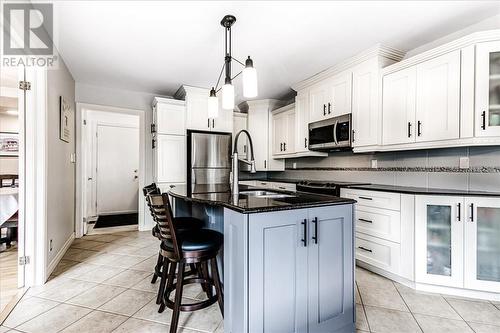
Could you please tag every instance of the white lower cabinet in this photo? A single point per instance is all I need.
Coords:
(439, 240)
(170, 159)
(458, 242)
(378, 252)
(482, 244)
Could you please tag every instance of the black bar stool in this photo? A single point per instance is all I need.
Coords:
(183, 223)
(199, 247)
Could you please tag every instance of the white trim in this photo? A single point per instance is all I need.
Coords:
(119, 212)
(458, 292)
(57, 258)
(80, 195)
(477, 37)
(376, 50)
(110, 230)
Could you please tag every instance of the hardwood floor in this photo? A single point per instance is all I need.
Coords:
(8, 276)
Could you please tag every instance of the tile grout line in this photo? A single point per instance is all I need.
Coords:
(362, 306)
(409, 309)
(473, 330)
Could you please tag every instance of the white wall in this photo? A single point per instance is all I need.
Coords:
(9, 123)
(60, 170)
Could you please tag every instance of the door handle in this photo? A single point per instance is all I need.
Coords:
(472, 212)
(284, 146)
(329, 108)
(135, 177)
(90, 178)
(419, 128)
(335, 133)
(324, 109)
(315, 237)
(459, 207)
(305, 142)
(483, 116)
(353, 131)
(365, 198)
(281, 146)
(304, 240)
(409, 129)
(213, 123)
(208, 122)
(364, 249)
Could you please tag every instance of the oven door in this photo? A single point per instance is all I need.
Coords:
(322, 134)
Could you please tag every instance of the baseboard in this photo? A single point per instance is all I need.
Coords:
(59, 255)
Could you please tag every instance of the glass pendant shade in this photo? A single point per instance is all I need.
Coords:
(249, 79)
(228, 96)
(213, 105)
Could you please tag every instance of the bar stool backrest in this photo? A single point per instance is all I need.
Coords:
(162, 215)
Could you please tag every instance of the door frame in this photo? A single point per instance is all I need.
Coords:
(81, 191)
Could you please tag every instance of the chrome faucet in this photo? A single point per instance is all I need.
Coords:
(235, 171)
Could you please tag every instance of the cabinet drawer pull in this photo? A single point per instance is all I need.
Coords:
(304, 240)
(281, 146)
(409, 129)
(329, 108)
(305, 142)
(419, 128)
(483, 116)
(282, 188)
(315, 237)
(364, 249)
(324, 109)
(365, 198)
(284, 146)
(364, 220)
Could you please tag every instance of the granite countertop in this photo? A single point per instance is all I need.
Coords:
(220, 195)
(422, 190)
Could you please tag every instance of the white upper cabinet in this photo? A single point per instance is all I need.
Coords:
(169, 116)
(398, 104)
(339, 95)
(301, 122)
(487, 110)
(365, 104)
(197, 111)
(318, 99)
(240, 122)
(438, 98)
(283, 122)
(170, 159)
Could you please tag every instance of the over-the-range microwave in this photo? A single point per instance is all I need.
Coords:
(331, 134)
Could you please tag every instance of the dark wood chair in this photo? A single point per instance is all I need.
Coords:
(8, 180)
(183, 223)
(180, 248)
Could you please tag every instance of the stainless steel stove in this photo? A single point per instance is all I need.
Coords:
(324, 187)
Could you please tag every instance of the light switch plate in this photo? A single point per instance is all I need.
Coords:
(464, 163)
(374, 164)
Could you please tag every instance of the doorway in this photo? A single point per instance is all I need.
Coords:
(11, 226)
(111, 171)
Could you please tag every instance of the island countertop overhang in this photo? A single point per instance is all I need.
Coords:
(219, 195)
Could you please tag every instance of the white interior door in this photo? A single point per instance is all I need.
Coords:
(117, 169)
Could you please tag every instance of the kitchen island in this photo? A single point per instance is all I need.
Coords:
(288, 257)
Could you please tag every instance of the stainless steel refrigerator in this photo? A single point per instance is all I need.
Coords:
(209, 161)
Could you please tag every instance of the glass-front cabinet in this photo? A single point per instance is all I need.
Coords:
(439, 240)
(488, 89)
(482, 244)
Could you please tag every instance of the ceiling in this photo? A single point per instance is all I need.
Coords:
(157, 46)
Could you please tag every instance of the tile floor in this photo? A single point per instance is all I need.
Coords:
(103, 285)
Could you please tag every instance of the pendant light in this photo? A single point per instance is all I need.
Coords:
(249, 74)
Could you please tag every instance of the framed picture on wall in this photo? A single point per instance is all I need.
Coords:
(9, 144)
(65, 120)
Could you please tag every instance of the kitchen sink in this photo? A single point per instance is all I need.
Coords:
(266, 194)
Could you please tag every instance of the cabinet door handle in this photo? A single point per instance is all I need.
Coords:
(265, 164)
(281, 146)
(305, 142)
(365, 198)
(353, 132)
(459, 213)
(304, 240)
(329, 108)
(315, 237)
(419, 128)
(153, 128)
(324, 109)
(364, 220)
(483, 116)
(284, 146)
(153, 144)
(208, 123)
(472, 212)
(364, 249)
(409, 129)
(213, 123)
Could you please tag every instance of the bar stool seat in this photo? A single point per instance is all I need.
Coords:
(182, 223)
(196, 240)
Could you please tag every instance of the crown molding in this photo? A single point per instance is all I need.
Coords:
(184, 90)
(377, 50)
(284, 108)
(167, 100)
(468, 40)
(269, 103)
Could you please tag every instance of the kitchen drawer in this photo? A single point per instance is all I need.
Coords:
(284, 186)
(378, 252)
(382, 223)
(377, 199)
(248, 182)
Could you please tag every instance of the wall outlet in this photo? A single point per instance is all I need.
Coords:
(294, 165)
(464, 163)
(50, 245)
(374, 164)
